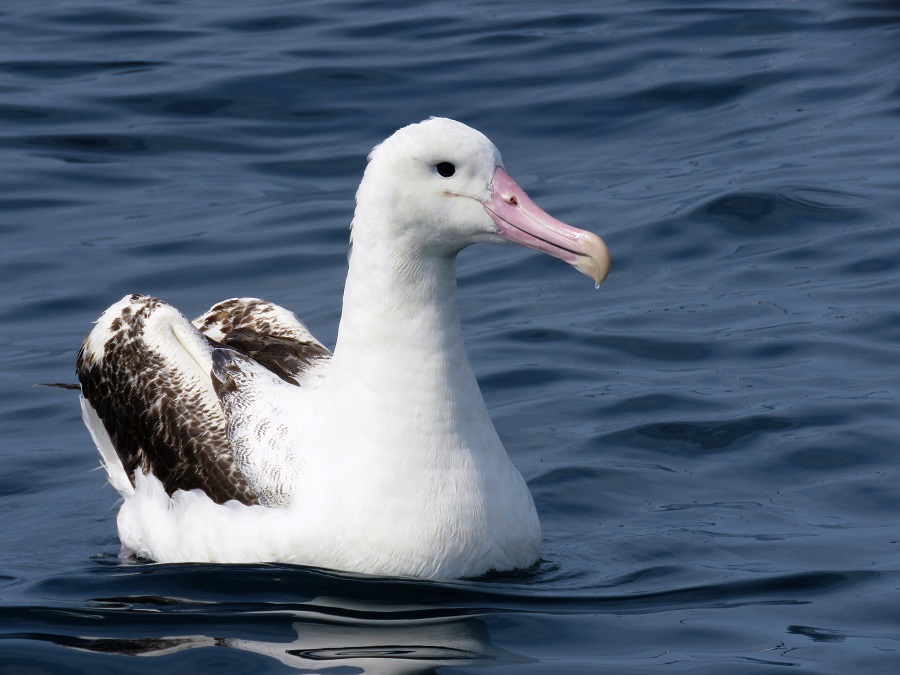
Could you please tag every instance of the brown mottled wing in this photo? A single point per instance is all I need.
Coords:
(157, 417)
(285, 357)
(270, 335)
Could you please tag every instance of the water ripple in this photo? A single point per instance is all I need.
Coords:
(709, 438)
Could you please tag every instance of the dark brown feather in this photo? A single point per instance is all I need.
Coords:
(283, 356)
(155, 421)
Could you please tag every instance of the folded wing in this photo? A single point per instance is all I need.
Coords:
(150, 402)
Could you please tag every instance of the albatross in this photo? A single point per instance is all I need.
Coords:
(239, 437)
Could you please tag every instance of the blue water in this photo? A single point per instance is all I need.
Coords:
(711, 437)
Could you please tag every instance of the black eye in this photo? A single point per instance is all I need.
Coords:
(446, 169)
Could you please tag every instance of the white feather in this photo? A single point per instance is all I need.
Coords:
(390, 464)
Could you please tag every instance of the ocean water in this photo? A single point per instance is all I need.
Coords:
(710, 437)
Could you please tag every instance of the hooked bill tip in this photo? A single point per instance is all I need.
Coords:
(595, 262)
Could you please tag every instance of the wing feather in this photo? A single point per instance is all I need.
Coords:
(150, 398)
(154, 401)
(253, 399)
(268, 334)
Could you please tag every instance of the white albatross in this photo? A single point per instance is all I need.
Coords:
(238, 437)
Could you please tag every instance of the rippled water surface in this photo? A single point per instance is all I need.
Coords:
(711, 437)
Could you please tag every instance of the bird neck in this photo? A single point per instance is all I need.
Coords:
(399, 365)
(399, 313)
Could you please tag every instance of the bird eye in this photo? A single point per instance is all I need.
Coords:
(446, 169)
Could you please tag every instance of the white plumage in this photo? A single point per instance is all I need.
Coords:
(380, 458)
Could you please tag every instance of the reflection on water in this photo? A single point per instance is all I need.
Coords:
(268, 616)
(331, 620)
(395, 646)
